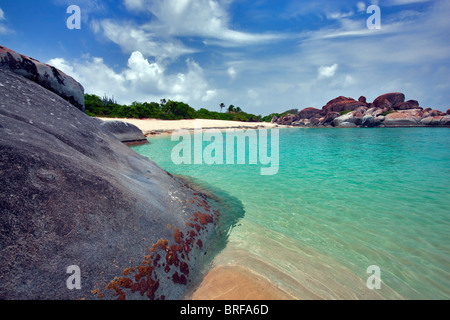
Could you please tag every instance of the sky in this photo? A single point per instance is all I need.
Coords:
(262, 56)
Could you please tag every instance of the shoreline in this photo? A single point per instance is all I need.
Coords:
(151, 127)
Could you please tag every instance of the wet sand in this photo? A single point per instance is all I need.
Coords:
(237, 283)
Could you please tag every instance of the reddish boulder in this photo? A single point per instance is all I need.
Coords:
(410, 104)
(362, 99)
(340, 104)
(288, 119)
(329, 117)
(448, 111)
(314, 121)
(389, 100)
(309, 113)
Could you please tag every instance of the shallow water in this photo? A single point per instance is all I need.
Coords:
(342, 200)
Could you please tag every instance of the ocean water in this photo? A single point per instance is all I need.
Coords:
(342, 200)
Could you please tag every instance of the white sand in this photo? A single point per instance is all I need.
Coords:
(152, 126)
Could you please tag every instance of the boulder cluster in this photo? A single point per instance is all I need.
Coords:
(388, 110)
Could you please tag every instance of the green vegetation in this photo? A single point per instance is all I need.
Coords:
(166, 110)
(345, 112)
(388, 112)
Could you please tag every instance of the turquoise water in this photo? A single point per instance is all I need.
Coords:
(342, 200)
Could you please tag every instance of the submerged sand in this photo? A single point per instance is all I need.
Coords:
(237, 283)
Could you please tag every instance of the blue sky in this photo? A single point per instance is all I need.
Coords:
(263, 56)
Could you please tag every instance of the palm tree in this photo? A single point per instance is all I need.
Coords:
(222, 105)
(231, 109)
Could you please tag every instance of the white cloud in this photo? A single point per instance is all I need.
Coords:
(348, 81)
(134, 38)
(232, 72)
(140, 81)
(339, 15)
(404, 2)
(327, 71)
(361, 6)
(3, 28)
(202, 18)
(134, 4)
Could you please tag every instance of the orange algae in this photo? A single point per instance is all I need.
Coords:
(145, 278)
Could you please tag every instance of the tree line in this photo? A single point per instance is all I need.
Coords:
(165, 110)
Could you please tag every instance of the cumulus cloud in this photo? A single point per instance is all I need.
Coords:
(327, 71)
(135, 38)
(142, 80)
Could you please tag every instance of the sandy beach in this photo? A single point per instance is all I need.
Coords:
(157, 126)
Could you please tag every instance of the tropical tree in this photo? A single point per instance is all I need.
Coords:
(222, 105)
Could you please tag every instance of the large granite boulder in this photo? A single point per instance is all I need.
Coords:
(401, 119)
(74, 195)
(410, 104)
(436, 121)
(341, 103)
(353, 118)
(329, 117)
(288, 119)
(389, 100)
(309, 113)
(47, 76)
(126, 132)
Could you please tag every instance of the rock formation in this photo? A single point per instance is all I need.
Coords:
(387, 110)
(73, 195)
(124, 131)
(47, 76)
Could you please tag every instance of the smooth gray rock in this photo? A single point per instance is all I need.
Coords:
(47, 76)
(72, 194)
(347, 125)
(124, 131)
(368, 121)
(350, 117)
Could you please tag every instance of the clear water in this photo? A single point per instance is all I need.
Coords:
(343, 200)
